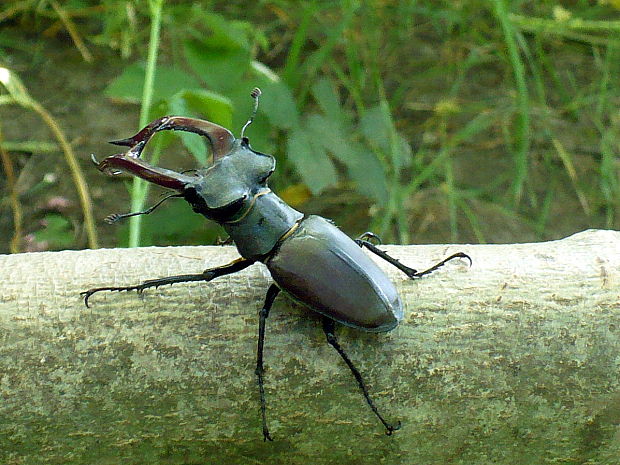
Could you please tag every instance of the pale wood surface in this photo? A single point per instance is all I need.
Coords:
(514, 360)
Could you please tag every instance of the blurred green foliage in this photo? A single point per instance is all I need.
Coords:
(480, 120)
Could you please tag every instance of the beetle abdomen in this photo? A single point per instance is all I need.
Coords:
(324, 269)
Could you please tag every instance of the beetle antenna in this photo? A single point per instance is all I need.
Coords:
(256, 93)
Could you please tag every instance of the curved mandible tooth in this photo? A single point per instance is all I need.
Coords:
(221, 139)
(144, 134)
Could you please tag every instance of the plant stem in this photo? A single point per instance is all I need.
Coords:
(7, 164)
(139, 189)
(522, 123)
(76, 172)
(72, 30)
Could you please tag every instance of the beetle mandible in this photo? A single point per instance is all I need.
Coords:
(233, 191)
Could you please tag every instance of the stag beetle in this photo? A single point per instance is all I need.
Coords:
(345, 287)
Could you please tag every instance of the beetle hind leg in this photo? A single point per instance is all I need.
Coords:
(363, 241)
(264, 313)
(329, 327)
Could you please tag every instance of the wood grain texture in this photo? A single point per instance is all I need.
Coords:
(514, 360)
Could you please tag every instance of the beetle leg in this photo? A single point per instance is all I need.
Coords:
(224, 241)
(207, 275)
(264, 313)
(442, 263)
(113, 218)
(411, 272)
(369, 235)
(329, 326)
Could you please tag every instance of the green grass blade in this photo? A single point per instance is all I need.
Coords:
(522, 122)
(139, 188)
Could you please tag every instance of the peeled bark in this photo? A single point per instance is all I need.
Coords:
(515, 359)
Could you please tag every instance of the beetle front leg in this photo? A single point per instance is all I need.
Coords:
(264, 313)
(207, 275)
(114, 217)
(329, 327)
(363, 241)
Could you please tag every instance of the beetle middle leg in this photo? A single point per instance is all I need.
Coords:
(264, 313)
(329, 327)
(363, 241)
(207, 275)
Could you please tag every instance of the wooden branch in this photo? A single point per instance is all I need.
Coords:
(514, 360)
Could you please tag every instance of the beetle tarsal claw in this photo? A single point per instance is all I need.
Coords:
(369, 236)
(391, 428)
(113, 218)
(464, 255)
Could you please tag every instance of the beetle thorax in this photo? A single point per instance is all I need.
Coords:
(233, 192)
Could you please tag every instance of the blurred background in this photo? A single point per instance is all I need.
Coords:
(423, 121)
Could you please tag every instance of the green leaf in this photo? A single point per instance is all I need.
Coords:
(378, 128)
(263, 72)
(225, 32)
(367, 172)
(279, 105)
(57, 232)
(403, 146)
(326, 132)
(210, 105)
(219, 64)
(325, 95)
(168, 81)
(400, 156)
(376, 132)
(192, 142)
(312, 162)
(363, 167)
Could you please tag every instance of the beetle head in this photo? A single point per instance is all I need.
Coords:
(218, 191)
(221, 190)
